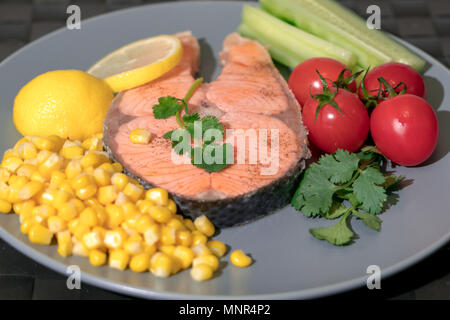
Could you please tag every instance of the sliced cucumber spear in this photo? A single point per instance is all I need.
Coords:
(330, 21)
(288, 44)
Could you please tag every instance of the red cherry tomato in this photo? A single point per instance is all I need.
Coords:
(394, 73)
(305, 81)
(405, 129)
(333, 130)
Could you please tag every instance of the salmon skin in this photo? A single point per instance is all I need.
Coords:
(262, 122)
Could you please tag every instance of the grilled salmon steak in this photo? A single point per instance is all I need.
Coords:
(261, 118)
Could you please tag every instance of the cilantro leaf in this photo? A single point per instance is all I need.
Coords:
(166, 107)
(209, 162)
(340, 166)
(368, 191)
(317, 192)
(373, 222)
(337, 210)
(338, 234)
(190, 118)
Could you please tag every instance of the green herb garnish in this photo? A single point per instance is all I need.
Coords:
(209, 155)
(344, 185)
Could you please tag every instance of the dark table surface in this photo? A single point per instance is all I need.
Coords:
(424, 23)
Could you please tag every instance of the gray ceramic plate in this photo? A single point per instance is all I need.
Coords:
(289, 262)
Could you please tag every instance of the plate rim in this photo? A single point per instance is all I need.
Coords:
(309, 293)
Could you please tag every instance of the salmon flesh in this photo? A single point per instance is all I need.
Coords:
(262, 121)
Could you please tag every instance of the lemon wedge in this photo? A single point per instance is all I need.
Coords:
(138, 62)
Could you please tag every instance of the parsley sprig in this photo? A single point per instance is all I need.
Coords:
(210, 155)
(344, 185)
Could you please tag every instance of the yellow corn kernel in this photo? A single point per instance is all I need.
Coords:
(172, 206)
(37, 176)
(82, 180)
(117, 167)
(4, 175)
(4, 190)
(108, 167)
(168, 235)
(161, 265)
(80, 230)
(10, 153)
(25, 213)
(43, 143)
(26, 225)
(97, 258)
(152, 234)
(89, 217)
(71, 150)
(93, 144)
(145, 205)
(20, 142)
(129, 230)
(114, 216)
(56, 179)
(67, 211)
(240, 259)
(133, 191)
(91, 202)
(44, 211)
(184, 238)
(40, 235)
(86, 192)
(98, 135)
(217, 247)
(140, 136)
(22, 206)
(32, 162)
(57, 141)
(115, 239)
(60, 198)
(119, 259)
(79, 249)
(42, 156)
(140, 262)
(26, 170)
(201, 272)
(73, 224)
(30, 189)
(101, 214)
(208, 259)
(188, 223)
(143, 222)
(102, 177)
(65, 244)
(201, 249)
(167, 249)
(160, 214)
(27, 150)
(119, 180)
(205, 226)
(53, 163)
(158, 195)
(65, 186)
(121, 199)
(150, 249)
(198, 238)
(93, 159)
(78, 204)
(17, 182)
(5, 206)
(13, 196)
(129, 210)
(73, 169)
(185, 255)
(56, 224)
(107, 194)
(92, 240)
(134, 244)
(176, 223)
(11, 164)
(47, 197)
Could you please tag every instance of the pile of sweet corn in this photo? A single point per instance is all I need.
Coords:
(72, 191)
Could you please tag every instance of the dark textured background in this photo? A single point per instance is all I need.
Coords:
(424, 23)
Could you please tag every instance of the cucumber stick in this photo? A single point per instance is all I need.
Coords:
(288, 44)
(329, 20)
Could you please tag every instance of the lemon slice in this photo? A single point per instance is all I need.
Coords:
(138, 62)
